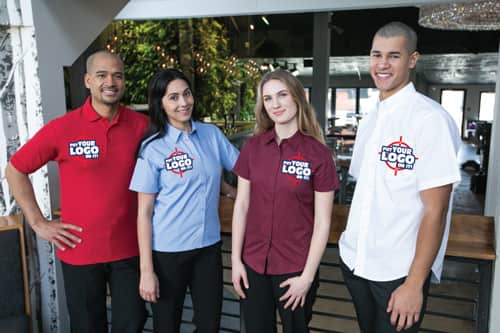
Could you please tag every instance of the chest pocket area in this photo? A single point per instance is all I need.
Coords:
(400, 185)
(85, 154)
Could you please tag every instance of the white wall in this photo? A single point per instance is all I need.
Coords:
(492, 206)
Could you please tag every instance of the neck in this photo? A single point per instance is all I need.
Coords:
(108, 111)
(387, 94)
(186, 127)
(285, 131)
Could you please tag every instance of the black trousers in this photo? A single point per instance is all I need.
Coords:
(201, 270)
(370, 301)
(85, 287)
(262, 300)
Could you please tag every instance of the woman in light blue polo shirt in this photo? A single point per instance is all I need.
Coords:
(178, 176)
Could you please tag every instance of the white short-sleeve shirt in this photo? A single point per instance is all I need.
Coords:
(407, 143)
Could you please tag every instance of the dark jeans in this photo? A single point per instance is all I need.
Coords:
(370, 301)
(201, 270)
(85, 287)
(262, 300)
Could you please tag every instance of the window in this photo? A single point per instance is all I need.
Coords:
(345, 106)
(365, 97)
(486, 105)
(453, 102)
(308, 94)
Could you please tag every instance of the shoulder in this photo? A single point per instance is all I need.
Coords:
(136, 117)
(314, 145)
(66, 121)
(207, 128)
(430, 109)
(151, 144)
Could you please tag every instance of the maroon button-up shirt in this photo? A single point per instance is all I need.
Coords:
(283, 179)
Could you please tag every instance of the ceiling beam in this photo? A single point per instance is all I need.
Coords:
(169, 9)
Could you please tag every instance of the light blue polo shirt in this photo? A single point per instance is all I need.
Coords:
(185, 171)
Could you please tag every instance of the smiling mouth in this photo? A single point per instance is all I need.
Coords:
(109, 92)
(383, 75)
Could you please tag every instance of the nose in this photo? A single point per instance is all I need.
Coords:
(382, 62)
(109, 80)
(275, 103)
(183, 100)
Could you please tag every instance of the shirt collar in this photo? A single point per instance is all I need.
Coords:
(175, 134)
(294, 140)
(91, 115)
(397, 98)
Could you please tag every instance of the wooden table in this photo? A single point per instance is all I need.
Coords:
(471, 239)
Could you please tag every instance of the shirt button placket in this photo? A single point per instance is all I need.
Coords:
(188, 140)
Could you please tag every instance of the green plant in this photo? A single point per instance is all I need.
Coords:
(200, 48)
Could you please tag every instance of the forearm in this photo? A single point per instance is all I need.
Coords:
(429, 239)
(430, 233)
(22, 190)
(227, 190)
(321, 233)
(145, 232)
(240, 211)
(238, 228)
(144, 236)
(319, 241)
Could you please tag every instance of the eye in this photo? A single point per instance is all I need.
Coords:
(283, 94)
(395, 56)
(187, 93)
(173, 97)
(267, 98)
(119, 76)
(100, 76)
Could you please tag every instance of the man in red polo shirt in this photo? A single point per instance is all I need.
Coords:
(96, 237)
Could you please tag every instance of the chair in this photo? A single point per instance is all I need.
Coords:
(14, 293)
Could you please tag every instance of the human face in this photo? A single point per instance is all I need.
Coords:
(178, 104)
(279, 103)
(106, 81)
(391, 64)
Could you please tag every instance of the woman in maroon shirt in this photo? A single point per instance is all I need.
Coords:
(281, 220)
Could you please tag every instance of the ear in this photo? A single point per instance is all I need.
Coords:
(413, 59)
(86, 80)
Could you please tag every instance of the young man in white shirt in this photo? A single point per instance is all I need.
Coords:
(404, 160)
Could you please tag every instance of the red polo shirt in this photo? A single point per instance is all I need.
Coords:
(283, 180)
(96, 159)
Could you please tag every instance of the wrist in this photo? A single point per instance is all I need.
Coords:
(235, 259)
(307, 276)
(35, 224)
(147, 270)
(414, 282)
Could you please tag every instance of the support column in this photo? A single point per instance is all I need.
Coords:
(20, 117)
(321, 66)
(491, 203)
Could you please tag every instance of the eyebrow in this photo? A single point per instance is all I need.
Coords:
(391, 52)
(176, 93)
(105, 72)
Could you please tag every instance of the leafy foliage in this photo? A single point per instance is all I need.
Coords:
(223, 85)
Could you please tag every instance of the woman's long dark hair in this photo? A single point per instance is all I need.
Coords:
(157, 117)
